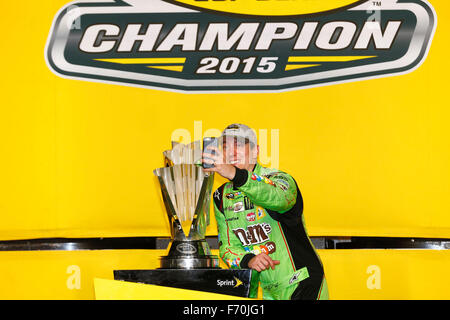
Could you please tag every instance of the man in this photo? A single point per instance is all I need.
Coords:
(260, 221)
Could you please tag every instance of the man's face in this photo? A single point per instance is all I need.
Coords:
(239, 152)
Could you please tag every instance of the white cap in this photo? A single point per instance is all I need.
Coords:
(240, 131)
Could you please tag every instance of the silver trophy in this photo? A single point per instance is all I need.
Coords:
(186, 192)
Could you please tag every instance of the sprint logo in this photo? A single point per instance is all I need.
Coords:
(229, 283)
(173, 46)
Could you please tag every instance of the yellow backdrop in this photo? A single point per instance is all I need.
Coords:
(76, 158)
(351, 274)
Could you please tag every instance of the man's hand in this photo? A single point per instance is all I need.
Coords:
(262, 262)
(227, 171)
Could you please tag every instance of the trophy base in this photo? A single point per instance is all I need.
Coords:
(189, 263)
(242, 283)
(189, 254)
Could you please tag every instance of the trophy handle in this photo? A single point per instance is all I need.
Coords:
(175, 228)
(201, 214)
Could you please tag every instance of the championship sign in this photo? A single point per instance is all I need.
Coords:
(234, 46)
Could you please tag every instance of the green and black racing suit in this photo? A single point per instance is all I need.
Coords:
(262, 211)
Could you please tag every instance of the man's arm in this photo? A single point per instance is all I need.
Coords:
(277, 193)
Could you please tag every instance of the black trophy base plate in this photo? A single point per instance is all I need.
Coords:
(222, 281)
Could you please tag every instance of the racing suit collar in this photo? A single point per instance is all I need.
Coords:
(257, 168)
(242, 175)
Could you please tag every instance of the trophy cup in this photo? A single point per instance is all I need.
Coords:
(186, 193)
